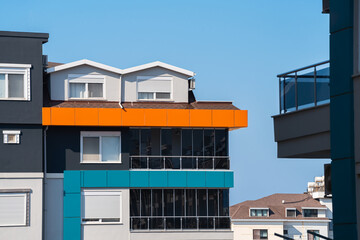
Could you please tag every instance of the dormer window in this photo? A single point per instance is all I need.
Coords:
(310, 212)
(154, 88)
(90, 87)
(259, 212)
(291, 212)
(15, 81)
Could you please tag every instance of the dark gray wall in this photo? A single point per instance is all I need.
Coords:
(23, 157)
(63, 149)
(24, 48)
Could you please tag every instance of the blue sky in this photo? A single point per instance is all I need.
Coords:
(236, 48)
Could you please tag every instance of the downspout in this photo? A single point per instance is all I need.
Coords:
(45, 182)
(120, 93)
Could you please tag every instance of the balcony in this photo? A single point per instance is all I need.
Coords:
(302, 128)
(180, 162)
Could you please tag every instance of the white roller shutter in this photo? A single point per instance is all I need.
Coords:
(101, 205)
(12, 209)
(154, 85)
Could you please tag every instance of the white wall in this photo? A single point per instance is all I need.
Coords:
(244, 230)
(58, 81)
(298, 230)
(54, 198)
(180, 84)
(25, 181)
(183, 235)
(111, 231)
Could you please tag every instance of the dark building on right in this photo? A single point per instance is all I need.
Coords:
(320, 114)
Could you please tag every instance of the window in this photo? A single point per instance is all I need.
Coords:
(14, 208)
(11, 137)
(154, 88)
(259, 212)
(260, 234)
(310, 212)
(100, 207)
(291, 212)
(86, 87)
(312, 237)
(100, 147)
(15, 82)
(286, 232)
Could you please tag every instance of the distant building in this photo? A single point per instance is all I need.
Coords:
(291, 215)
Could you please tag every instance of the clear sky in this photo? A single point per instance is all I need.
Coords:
(236, 47)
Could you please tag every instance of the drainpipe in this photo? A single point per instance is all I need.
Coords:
(45, 182)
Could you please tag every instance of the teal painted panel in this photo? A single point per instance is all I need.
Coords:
(72, 181)
(196, 179)
(72, 229)
(342, 127)
(341, 55)
(229, 179)
(158, 179)
(72, 205)
(341, 14)
(95, 178)
(177, 178)
(118, 179)
(139, 179)
(215, 179)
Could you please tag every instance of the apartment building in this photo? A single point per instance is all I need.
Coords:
(105, 152)
(319, 114)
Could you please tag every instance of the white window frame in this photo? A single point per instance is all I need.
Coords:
(10, 68)
(286, 210)
(142, 78)
(26, 194)
(99, 134)
(6, 133)
(86, 79)
(101, 192)
(267, 209)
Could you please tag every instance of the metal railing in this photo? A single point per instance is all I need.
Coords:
(179, 223)
(304, 87)
(179, 162)
(318, 235)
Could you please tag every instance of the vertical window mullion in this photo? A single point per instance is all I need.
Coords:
(207, 202)
(86, 94)
(6, 85)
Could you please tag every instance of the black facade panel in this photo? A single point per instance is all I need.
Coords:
(25, 156)
(63, 149)
(23, 48)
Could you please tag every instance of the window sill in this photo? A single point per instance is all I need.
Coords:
(102, 223)
(107, 162)
(155, 100)
(14, 99)
(87, 99)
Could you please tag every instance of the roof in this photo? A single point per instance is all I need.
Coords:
(147, 105)
(59, 67)
(277, 207)
(53, 64)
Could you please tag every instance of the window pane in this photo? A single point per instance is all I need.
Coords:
(190, 202)
(291, 213)
(2, 85)
(16, 85)
(134, 202)
(145, 95)
(166, 143)
(162, 95)
(12, 209)
(186, 142)
(91, 149)
(145, 142)
(213, 202)
(221, 142)
(179, 202)
(224, 202)
(201, 199)
(145, 202)
(209, 140)
(77, 90)
(156, 202)
(110, 148)
(95, 90)
(168, 202)
(198, 141)
(134, 142)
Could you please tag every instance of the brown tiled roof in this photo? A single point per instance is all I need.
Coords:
(154, 105)
(53, 64)
(276, 206)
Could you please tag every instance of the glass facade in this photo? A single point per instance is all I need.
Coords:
(179, 148)
(179, 209)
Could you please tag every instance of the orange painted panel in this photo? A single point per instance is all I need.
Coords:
(155, 117)
(133, 117)
(46, 116)
(223, 118)
(241, 118)
(110, 116)
(178, 118)
(200, 118)
(63, 116)
(86, 116)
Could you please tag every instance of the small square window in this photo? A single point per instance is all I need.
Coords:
(286, 232)
(291, 213)
(11, 137)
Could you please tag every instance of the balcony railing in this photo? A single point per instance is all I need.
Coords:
(179, 162)
(305, 87)
(179, 223)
